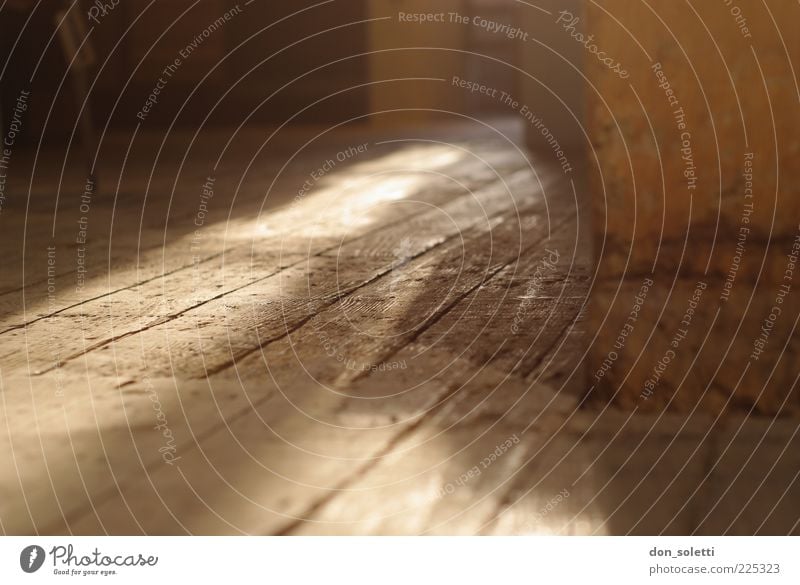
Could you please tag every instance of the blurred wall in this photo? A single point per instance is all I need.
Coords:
(266, 60)
(553, 84)
(696, 204)
(412, 61)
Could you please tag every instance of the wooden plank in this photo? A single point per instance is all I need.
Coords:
(83, 451)
(463, 477)
(217, 333)
(296, 390)
(128, 241)
(269, 441)
(323, 234)
(487, 404)
(616, 473)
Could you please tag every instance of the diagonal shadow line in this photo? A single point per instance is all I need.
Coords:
(336, 298)
(447, 308)
(441, 400)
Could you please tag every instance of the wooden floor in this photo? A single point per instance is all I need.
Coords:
(395, 348)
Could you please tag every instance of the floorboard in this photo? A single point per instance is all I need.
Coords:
(396, 349)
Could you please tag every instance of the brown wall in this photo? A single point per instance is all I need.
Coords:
(552, 78)
(674, 202)
(135, 41)
(253, 55)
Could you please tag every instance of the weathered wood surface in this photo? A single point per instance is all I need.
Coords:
(336, 364)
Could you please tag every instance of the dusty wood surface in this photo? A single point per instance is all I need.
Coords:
(398, 350)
